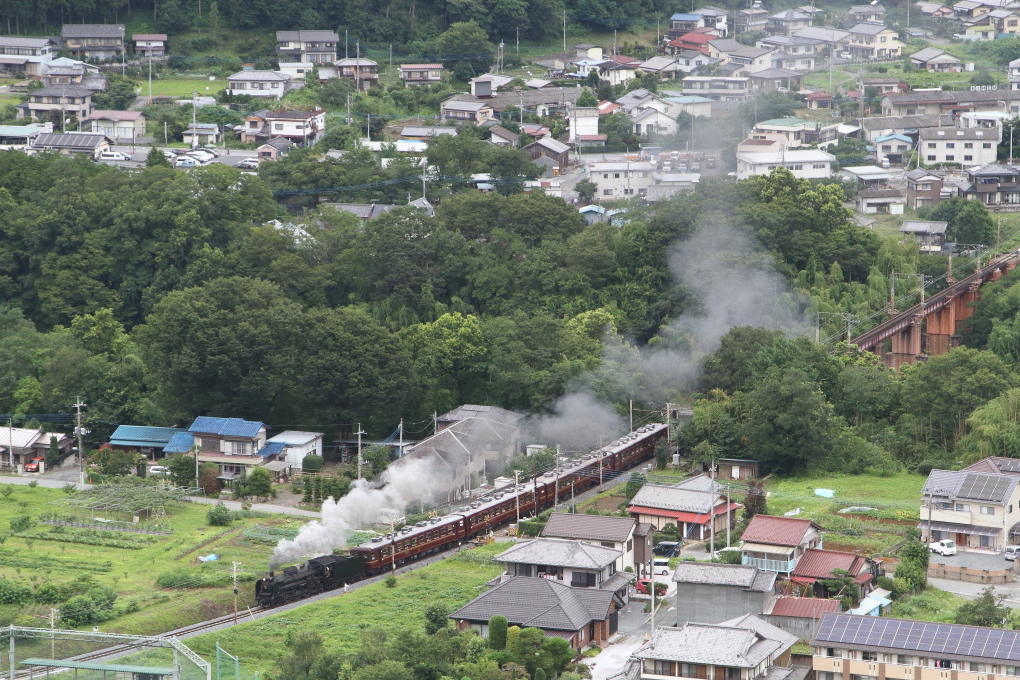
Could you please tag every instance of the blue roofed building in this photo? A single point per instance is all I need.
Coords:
(236, 445)
(150, 441)
(179, 443)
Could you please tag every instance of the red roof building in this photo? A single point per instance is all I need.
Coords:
(777, 543)
(693, 41)
(818, 565)
(695, 506)
(799, 615)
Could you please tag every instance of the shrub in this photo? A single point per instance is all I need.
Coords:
(69, 488)
(47, 593)
(33, 484)
(6, 490)
(219, 516)
(312, 463)
(20, 523)
(13, 593)
(497, 632)
(391, 581)
(437, 617)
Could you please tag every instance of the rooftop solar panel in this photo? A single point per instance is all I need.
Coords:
(1009, 465)
(984, 487)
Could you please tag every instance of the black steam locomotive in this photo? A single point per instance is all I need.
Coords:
(317, 575)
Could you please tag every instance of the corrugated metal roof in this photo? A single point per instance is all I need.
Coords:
(142, 435)
(804, 607)
(179, 443)
(296, 437)
(817, 563)
(271, 449)
(18, 437)
(226, 427)
(710, 573)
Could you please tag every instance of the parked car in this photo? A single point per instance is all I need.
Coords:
(169, 155)
(186, 162)
(159, 471)
(1011, 552)
(642, 587)
(667, 549)
(33, 465)
(943, 547)
(660, 565)
(114, 156)
(248, 164)
(202, 154)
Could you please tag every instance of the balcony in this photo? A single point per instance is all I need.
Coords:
(782, 566)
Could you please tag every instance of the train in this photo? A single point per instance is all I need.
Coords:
(482, 514)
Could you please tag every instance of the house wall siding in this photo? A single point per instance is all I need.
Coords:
(705, 603)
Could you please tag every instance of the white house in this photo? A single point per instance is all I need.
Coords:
(297, 445)
(120, 126)
(804, 164)
(21, 56)
(150, 44)
(652, 121)
(271, 84)
(966, 146)
(300, 127)
(619, 180)
(584, 123)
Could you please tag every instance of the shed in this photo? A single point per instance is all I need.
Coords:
(929, 234)
(799, 615)
(550, 148)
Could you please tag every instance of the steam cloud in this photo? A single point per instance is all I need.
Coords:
(362, 506)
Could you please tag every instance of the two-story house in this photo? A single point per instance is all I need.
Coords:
(802, 163)
(468, 110)
(94, 41)
(19, 445)
(848, 645)
(617, 533)
(578, 564)
(150, 44)
(266, 84)
(421, 74)
(67, 100)
(864, 14)
(715, 18)
(744, 648)
(787, 22)
(697, 506)
(817, 565)
(966, 146)
(924, 188)
(622, 180)
(874, 41)
(310, 47)
(120, 126)
(752, 19)
(21, 56)
(364, 73)
(297, 445)
(776, 543)
(974, 509)
(992, 185)
(710, 592)
(719, 88)
(300, 127)
(684, 22)
(234, 444)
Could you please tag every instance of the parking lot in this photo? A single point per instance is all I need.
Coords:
(972, 560)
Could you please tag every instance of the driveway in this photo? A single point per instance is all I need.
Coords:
(972, 560)
(633, 631)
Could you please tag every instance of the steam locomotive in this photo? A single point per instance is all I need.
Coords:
(413, 542)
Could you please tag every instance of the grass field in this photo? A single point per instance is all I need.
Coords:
(41, 558)
(182, 88)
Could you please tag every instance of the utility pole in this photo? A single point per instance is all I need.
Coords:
(631, 415)
(517, 497)
(359, 433)
(651, 590)
(400, 450)
(53, 625)
(435, 422)
(234, 573)
(150, 77)
(727, 513)
(711, 510)
(600, 461)
(194, 113)
(80, 432)
(556, 482)
(564, 30)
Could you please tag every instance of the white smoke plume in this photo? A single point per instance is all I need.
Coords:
(577, 422)
(361, 507)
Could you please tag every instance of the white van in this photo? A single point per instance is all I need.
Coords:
(660, 565)
(114, 156)
(1011, 552)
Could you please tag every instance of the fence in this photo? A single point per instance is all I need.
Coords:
(953, 572)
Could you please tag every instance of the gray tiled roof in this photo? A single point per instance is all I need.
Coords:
(970, 486)
(560, 553)
(590, 527)
(92, 31)
(307, 36)
(692, 495)
(61, 91)
(868, 29)
(22, 41)
(539, 603)
(259, 75)
(711, 573)
(744, 642)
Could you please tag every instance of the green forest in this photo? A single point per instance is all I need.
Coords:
(158, 295)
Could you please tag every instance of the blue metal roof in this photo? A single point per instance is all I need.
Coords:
(681, 16)
(271, 449)
(227, 427)
(902, 138)
(179, 443)
(141, 435)
(113, 667)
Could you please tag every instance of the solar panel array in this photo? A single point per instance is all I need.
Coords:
(1009, 465)
(920, 636)
(985, 487)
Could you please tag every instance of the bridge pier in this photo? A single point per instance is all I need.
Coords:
(906, 345)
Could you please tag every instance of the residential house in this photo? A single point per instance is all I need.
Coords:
(310, 47)
(616, 73)
(787, 22)
(696, 506)
(64, 71)
(970, 10)
(20, 136)
(832, 40)
(150, 45)
(868, 176)
(583, 616)
(966, 146)
(924, 188)
(650, 121)
(72, 144)
(421, 74)
(22, 57)
(873, 128)
(744, 648)
(546, 101)
(684, 22)
(587, 51)
(148, 441)
(776, 543)
(274, 149)
(894, 147)
(500, 136)
(584, 125)
(762, 142)
(884, 84)
(984, 119)
(874, 41)
(302, 128)
(474, 111)
(731, 89)
(709, 592)
(800, 616)
(201, 134)
(974, 509)
(996, 465)
(697, 42)
(297, 70)
(234, 444)
(887, 201)
(94, 41)
(363, 72)
(578, 564)
(930, 235)
(609, 532)
(936, 60)
(866, 14)
(752, 19)
(669, 184)
(715, 18)
(670, 67)
(66, 100)
(748, 59)
(423, 133)
(799, 131)
(270, 84)
(804, 164)
(547, 147)
(790, 52)
(819, 101)
(936, 10)
(19, 445)
(621, 180)
(120, 126)
(818, 565)
(776, 80)
(948, 104)
(886, 648)
(488, 85)
(983, 29)
(297, 445)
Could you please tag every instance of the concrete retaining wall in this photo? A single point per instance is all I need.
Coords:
(956, 573)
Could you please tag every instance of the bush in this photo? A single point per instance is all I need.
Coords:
(312, 463)
(33, 484)
(21, 523)
(497, 632)
(13, 593)
(220, 516)
(47, 593)
(390, 581)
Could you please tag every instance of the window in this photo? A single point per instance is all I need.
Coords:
(607, 192)
(524, 570)
(239, 448)
(950, 145)
(961, 507)
(977, 667)
(819, 166)
(904, 660)
(277, 126)
(834, 653)
(950, 157)
(986, 145)
(605, 175)
(931, 158)
(662, 668)
(1012, 670)
(869, 656)
(987, 509)
(932, 145)
(616, 175)
(968, 145)
(968, 158)
(985, 541)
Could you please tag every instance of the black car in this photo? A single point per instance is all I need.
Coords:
(667, 549)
